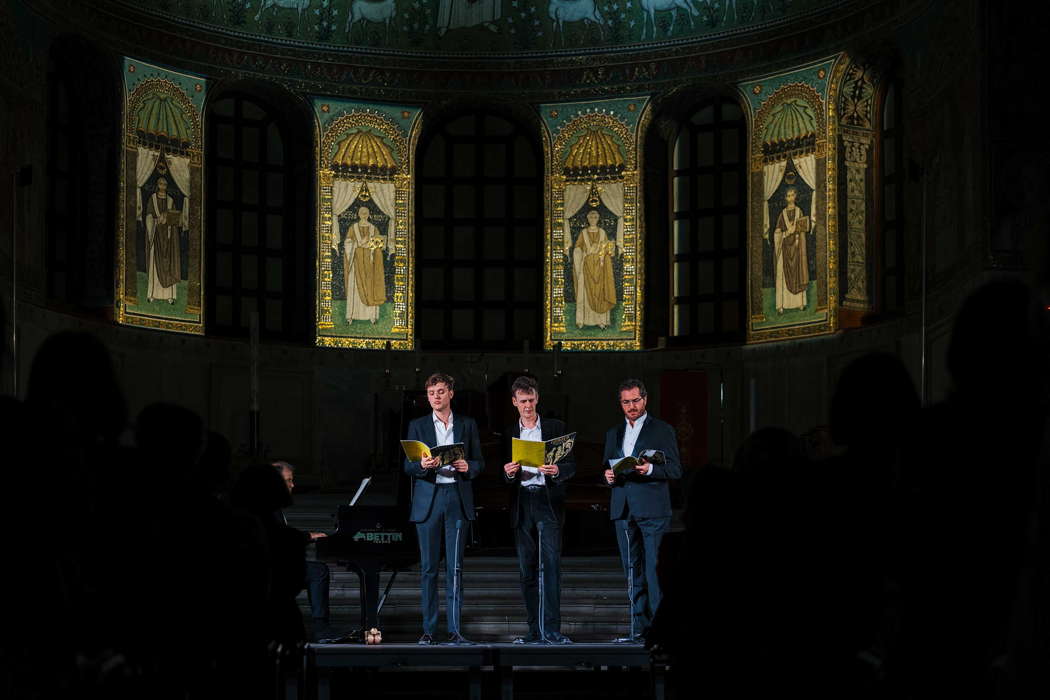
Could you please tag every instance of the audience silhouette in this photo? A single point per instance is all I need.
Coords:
(906, 563)
(905, 566)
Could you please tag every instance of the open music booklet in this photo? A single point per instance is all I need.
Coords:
(625, 465)
(416, 451)
(533, 453)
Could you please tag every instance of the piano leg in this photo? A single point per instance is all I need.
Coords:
(369, 578)
(386, 592)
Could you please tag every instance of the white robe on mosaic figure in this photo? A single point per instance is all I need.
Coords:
(156, 227)
(785, 299)
(358, 234)
(589, 242)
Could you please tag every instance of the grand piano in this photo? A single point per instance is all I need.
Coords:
(368, 540)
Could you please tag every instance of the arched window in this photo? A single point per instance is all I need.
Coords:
(891, 230)
(254, 231)
(708, 208)
(479, 235)
(81, 177)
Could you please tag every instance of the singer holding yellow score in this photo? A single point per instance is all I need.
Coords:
(443, 503)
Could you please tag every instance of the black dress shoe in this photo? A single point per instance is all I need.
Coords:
(558, 638)
(457, 638)
(425, 640)
(636, 639)
(529, 638)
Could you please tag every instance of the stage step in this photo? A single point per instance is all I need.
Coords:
(594, 600)
(594, 595)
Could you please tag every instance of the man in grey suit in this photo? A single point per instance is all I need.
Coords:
(443, 502)
(640, 503)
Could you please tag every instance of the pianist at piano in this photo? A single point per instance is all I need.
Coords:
(318, 577)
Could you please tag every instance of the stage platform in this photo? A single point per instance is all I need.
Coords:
(594, 611)
(594, 605)
(484, 670)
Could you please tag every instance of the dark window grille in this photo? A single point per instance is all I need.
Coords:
(709, 225)
(80, 178)
(251, 257)
(479, 235)
(891, 259)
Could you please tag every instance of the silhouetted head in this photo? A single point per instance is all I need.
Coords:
(170, 435)
(768, 453)
(998, 343)
(213, 468)
(260, 490)
(709, 496)
(874, 401)
(72, 385)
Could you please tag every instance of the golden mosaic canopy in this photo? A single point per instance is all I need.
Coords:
(595, 152)
(363, 151)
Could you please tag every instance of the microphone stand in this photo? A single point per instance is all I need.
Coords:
(456, 582)
(630, 579)
(543, 627)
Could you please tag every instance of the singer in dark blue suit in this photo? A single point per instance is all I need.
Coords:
(537, 514)
(640, 503)
(443, 503)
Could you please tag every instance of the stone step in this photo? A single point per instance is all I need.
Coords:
(407, 628)
(403, 596)
(593, 606)
(492, 579)
(575, 564)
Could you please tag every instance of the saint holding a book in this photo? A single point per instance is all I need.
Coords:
(789, 255)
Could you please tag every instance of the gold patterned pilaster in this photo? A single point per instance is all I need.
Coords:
(324, 272)
(855, 147)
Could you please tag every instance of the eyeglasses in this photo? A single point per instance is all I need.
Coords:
(632, 402)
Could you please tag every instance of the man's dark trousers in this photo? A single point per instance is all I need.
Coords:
(534, 510)
(317, 587)
(639, 540)
(445, 513)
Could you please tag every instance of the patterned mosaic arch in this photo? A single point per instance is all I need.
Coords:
(370, 121)
(770, 143)
(155, 93)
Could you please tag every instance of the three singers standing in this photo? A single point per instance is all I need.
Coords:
(443, 503)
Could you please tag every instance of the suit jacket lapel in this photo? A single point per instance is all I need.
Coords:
(429, 431)
(643, 435)
(619, 438)
(457, 429)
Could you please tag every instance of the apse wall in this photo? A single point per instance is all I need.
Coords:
(859, 125)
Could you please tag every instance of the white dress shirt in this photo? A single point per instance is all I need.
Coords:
(630, 437)
(531, 476)
(445, 474)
